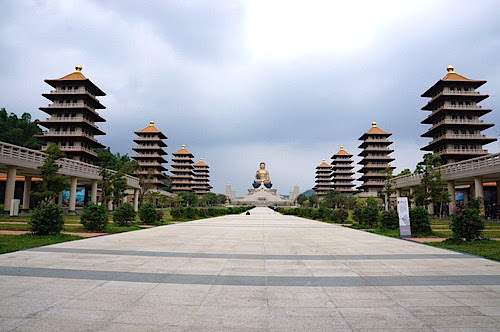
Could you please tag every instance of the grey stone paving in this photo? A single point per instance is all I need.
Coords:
(258, 272)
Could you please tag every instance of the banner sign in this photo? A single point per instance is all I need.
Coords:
(404, 218)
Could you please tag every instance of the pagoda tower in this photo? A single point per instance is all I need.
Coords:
(456, 127)
(375, 160)
(323, 179)
(73, 116)
(150, 155)
(201, 176)
(342, 171)
(182, 170)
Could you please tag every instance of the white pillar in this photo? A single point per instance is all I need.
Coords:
(413, 204)
(93, 192)
(26, 192)
(110, 205)
(124, 199)
(451, 192)
(478, 191)
(498, 192)
(430, 208)
(399, 192)
(10, 187)
(136, 200)
(60, 199)
(72, 194)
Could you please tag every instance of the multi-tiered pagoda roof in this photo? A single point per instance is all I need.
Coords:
(342, 171)
(73, 116)
(375, 160)
(150, 155)
(455, 118)
(323, 179)
(182, 170)
(201, 184)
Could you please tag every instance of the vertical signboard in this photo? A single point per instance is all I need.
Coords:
(404, 218)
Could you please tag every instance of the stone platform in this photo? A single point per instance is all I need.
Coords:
(263, 272)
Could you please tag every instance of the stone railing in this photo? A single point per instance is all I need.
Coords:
(31, 159)
(71, 119)
(468, 168)
(456, 121)
(457, 136)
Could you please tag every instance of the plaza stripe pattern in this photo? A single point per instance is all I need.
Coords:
(259, 272)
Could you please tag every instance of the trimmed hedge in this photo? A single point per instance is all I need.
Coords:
(190, 213)
(47, 219)
(94, 217)
(124, 214)
(324, 214)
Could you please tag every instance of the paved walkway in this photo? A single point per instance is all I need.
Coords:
(258, 272)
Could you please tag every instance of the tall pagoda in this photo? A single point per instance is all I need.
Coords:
(73, 116)
(201, 176)
(182, 170)
(342, 171)
(323, 179)
(375, 160)
(456, 127)
(150, 155)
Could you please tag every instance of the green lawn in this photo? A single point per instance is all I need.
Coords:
(484, 248)
(9, 243)
(440, 228)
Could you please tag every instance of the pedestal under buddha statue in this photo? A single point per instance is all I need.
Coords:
(262, 177)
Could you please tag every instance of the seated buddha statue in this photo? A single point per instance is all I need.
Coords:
(262, 177)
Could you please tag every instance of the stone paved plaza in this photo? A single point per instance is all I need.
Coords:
(259, 272)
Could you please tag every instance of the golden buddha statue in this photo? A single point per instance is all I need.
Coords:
(262, 177)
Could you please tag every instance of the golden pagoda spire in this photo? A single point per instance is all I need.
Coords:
(78, 68)
(374, 124)
(450, 69)
(151, 123)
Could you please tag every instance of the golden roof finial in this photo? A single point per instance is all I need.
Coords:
(78, 68)
(151, 123)
(450, 69)
(374, 124)
(324, 159)
(341, 147)
(201, 159)
(183, 147)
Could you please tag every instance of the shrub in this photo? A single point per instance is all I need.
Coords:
(190, 212)
(47, 219)
(357, 214)
(340, 215)
(467, 223)
(370, 215)
(389, 220)
(176, 213)
(124, 214)
(159, 215)
(94, 217)
(147, 214)
(419, 221)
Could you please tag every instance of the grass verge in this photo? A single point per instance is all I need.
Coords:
(10, 243)
(485, 248)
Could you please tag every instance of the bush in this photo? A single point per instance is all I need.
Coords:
(159, 215)
(124, 214)
(177, 213)
(389, 220)
(467, 223)
(47, 219)
(370, 215)
(94, 217)
(339, 216)
(419, 221)
(148, 215)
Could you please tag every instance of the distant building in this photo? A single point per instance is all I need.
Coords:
(342, 172)
(150, 155)
(201, 184)
(182, 170)
(73, 116)
(375, 160)
(294, 193)
(456, 127)
(323, 179)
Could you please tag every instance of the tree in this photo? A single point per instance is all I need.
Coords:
(332, 199)
(209, 199)
(431, 189)
(222, 199)
(53, 182)
(406, 171)
(188, 198)
(118, 187)
(19, 131)
(301, 199)
(388, 189)
(105, 162)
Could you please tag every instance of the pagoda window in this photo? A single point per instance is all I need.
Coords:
(456, 146)
(455, 132)
(453, 102)
(464, 147)
(71, 143)
(452, 89)
(472, 132)
(454, 117)
(469, 117)
(466, 89)
(464, 132)
(462, 117)
(459, 89)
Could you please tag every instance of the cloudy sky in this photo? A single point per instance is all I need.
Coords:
(239, 82)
